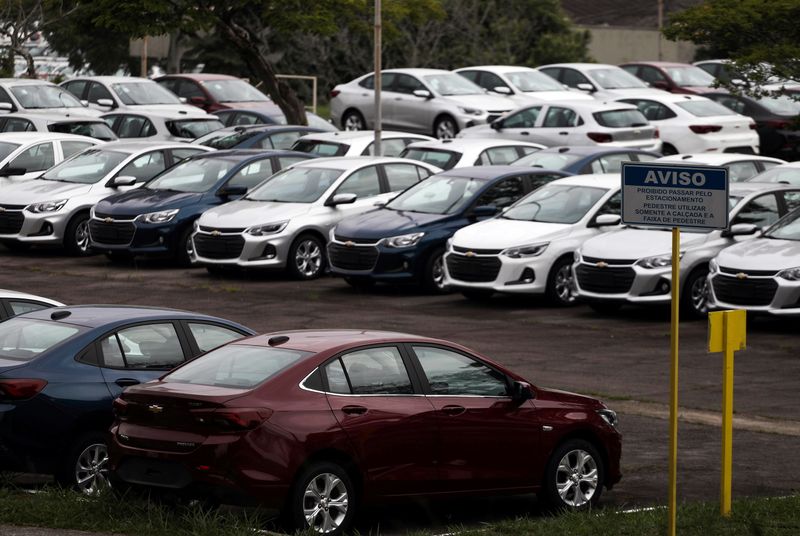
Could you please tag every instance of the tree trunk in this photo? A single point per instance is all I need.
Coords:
(30, 72)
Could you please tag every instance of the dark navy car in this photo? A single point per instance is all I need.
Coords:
(268, 115)
(61, 368)
(585, 160)
(256, 137)
(405, 240)
(158, 218)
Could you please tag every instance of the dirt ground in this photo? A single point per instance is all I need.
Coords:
(623, 359)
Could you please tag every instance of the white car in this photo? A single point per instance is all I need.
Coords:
(464, 152)
(633, 264)
(82, 125)
(522, 85)
(740, 166)
(29, 95)
(26, 155)
(355, 143)
(760, 275)
(13, 303)
(161, 126)
(529, 248)
(574, 123)
(788, 173)
(695, 124)
(600, 80)
(129, 93)
(285, 221)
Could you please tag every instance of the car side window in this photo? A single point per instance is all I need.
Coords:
(497, 156)
(69, 148)
(209, 336)
(523, 119)
(737, 105)
(451, 373)
(651, 74)
(371, 371)
(188, 89)
(612, 206)
(761, 211)
(21, 307)
(149, 346)
(368, 82)
(572, 78)
(391, 147)
(631, 69)
(15, 124)
(252, 174)
(503, 193)
(490, 81)
(472, 76)
(611, 163)
(241, 118)
(286, 161)
(280, 140)
(642, 157)
(652, 110)
(363, 183)
(768, 165)
(401, 176)
(791, 200)
(97, 92)
(145, 167)
(558, 117)
(741, 171)
(5, 98)
(404, 83)
(76, 87)
(129, 126)
(36, 158)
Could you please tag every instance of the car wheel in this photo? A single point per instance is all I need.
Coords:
(306, 257)
(322, 500)
(433, 278)
(85, 467)
(360, 283)
(605, 307)
(560, 286)
(477, 294)
(574, 477)
(694, 298)
(184, 249)
(76, 236)
(445, 128)
(353, 120)
(13, 245)
(668, 149)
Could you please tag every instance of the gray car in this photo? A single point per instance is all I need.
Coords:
(464, 152)
(522, 85)
(128, 93)
(161, 126)
(54, 209)
(28, 95)
(26, 155)
(94, 127)
(285, 222)
(428, 101)
(600, 80)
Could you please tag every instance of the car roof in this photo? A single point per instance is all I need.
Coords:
(352, 135)
(199, 76)
(488, 173)
(579, 65)
(591, 106)
(351, 162)
(246, 154)
(416, 71)
(261, 127)
(463, 144)
(325, 339)
(591, 150)
(163, 114)
(26, 82)
(111, 79)
(13, 294)
(56, 118)
(32, 137)
(714, 159)
(496, 68)
(136, 146)
(657, 63)
(669, 97)
(748, 187)
(92, 316)
(603, 180)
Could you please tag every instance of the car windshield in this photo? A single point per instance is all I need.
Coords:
(7, 148)
(33, 97)
(23, 339)
(615, 79)
(236, 366)
(441, 159)
(780, 174)
(193, 128)
(228, 139)
(87, 167)
(733, 200)
(529, 81)
(787, 228)
(447, 84)
(194, 175)
(132, 93)
(322, 148)
(556, 203)
(437, 195)
(547, 160)
(99, 130)
(705, 108)
(234, 91)
(620, 118)
(296, 185)
(690, 75)
(781, 105)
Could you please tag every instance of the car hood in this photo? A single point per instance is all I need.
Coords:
(10, 181)
(761, 254)
(635, 244)
(501, 234)
(142, 201)
(566, 397)
(244, 213)
(41, 190)
(482, 102)
(383, 223)
(188, 109)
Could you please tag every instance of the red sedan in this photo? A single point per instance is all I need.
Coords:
(319, 422)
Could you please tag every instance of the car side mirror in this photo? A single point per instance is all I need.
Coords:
(232, 191)
(483, 211)
(341, 199)
(379, 204)
(182, 99)
(521, 391)
(108, 103)
(6, 106)
(497, 125)
(604, 220)
(85, 102)
(197, 101)
(583, 86)
(423, 94)
(503, 90)
(123, 180)
(740, 229)
(9, 171)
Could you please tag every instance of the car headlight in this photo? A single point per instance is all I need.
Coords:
(470, 111)
(332, 234)
(267, 229)
(449, 244)
(162, 216)
(196, 224)
(659, 261)
(530, 250)
(576, 256)
(609, 415)
(47, 206)
(713, 266)
(403, 241)
(790, 274)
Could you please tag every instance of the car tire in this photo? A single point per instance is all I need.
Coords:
(306, 258)
(360, 283)
(694, 295)
(76, 236)
(668, 149)
(184, 248)
(560, 288)
(322, 500)
(13, 245)
(445, 128)
(353, 120)
(605, 307)
(574, 477)
(433, 276)
(84, 468)
(477, 294)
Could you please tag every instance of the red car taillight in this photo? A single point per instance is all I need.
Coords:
(20, 389)
(334, 93)
(120, 408)
(704, 129)
(600, 137)
(777, 123)
(232, 419)
(656, 133)
(753, 126)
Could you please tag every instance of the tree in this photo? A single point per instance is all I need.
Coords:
(761, 37)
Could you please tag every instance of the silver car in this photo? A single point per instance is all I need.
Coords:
(574, 123)
(94, 127)
(28, 95)
(54, 209)
(463, 152)
(633, 265)
(600, 80)
(428, 101)
(129, 93)
(161, 126)
(13, 303)
(26, 155)
(360, 143)
(522, 85)
(285, 222)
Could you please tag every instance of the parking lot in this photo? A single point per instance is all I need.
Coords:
(622, 359)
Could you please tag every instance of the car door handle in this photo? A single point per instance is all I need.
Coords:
(563, 133)
(398, 98)
(354, 410)
(524, 133)
(127, 382)
(453, 410)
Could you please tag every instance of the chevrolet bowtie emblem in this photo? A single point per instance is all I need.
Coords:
(215, 233)
(349, 244)
(108, 220)
(155, 408)
(741, 275)
(2, 209)
(469, 254)
(602, 264)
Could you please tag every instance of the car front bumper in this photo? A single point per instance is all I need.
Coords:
(371, 260)
(756, 292)
(130, 236)
(621, 281)
(489, 270)
(237, 248)
(46, 228)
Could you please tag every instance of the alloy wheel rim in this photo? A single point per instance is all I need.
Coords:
(308, 258)
(445, 130)
(82, 236)
(699, 295)
(437, 272)
(91, 471)
(577, 478)
(563, 284)
(353, 122)
(325, 503)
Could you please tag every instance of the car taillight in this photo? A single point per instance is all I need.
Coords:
(120, 407)
(704, 129)
(335, 93)
(777, 123)
(20, 389)
(753, 126)
(232, 419)
(656, 133)
(600, 137)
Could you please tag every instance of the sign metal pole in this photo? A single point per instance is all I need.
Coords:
(673, 381)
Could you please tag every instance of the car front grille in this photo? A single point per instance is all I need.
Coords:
(226, 230)
(608, 280)
(352, 257)
(111, 233)
(218, 247)
(11, 220)
(745, 291)
(473, 269)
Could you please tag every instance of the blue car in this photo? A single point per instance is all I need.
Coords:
(584, 160)
(256, 137)
(268, 115)
(405, 240)
(158, 218)
(61, 368)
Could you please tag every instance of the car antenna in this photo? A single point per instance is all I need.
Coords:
(278, 340)
(58, 315)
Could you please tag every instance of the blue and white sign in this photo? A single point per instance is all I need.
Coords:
(674, 195)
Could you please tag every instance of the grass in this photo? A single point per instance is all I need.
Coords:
(61, 509)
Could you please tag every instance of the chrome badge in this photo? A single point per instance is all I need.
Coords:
(349, 244)
(469, 254)
(741, 275)
(215, 233)
(155, 408)
(602, 264)
(108, 220)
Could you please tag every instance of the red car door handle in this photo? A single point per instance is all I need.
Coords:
(354, 410)
(453, 410)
